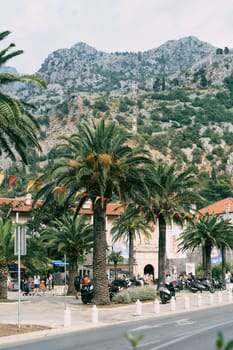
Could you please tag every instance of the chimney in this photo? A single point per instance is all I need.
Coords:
(227, 208)
(28, 199)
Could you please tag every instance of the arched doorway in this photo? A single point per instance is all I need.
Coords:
(149, 269)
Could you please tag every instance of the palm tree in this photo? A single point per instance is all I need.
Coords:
(71, 236)
(6, 253)
(116, 258)
(127, 227)
(98, 164)
(173, 200)
(208, 231)
(17, 126)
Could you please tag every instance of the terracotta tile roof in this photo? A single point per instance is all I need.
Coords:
(19, 205)
(113, 209)
(219, 207)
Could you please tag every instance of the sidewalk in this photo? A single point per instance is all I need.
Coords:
(66, 314)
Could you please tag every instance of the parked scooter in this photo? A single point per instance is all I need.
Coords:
(199, 286)
(87, 294)
(190, 285)
(218, 283)
(208, 286)
(166, 293)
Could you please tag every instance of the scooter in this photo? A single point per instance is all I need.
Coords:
(87, 294)
(208, 286)
(166, 293)
(199, 286)
(218, 283)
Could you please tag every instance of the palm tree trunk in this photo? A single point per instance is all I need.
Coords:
(208, 261)
(204, 261)
(131, 251)
(73, 267)
(3, 281)
(100, 279)
(115, 270)
(162, 251)
(224, 268)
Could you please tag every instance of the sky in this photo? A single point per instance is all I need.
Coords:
(39, 27)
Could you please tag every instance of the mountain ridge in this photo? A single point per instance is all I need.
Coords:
(174, 98)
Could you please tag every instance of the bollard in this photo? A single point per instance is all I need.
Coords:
(67, 317)
(156, 306)
(211, 299)
(199, 300)
(219, 297)
(186, 303)
(173, 304)
(138, 307)
(229, 296)
(94, 314)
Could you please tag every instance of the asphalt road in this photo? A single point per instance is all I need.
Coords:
(192, 331)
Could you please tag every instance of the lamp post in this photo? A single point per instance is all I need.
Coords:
(19, 249)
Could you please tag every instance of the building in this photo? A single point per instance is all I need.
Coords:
(223, 208)
(146, 251)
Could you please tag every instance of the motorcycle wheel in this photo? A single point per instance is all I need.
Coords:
(111, 295)
(163, 298)
(212, 289)
(194, 290)
(84, 299)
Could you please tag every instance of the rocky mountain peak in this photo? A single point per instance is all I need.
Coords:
(82, 47)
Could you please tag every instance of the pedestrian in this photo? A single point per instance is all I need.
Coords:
(36, 281)
(49, 281)
(42, 287)
(77, 283)
(86, 280)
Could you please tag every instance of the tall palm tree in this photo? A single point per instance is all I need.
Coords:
(116, 258)
(6, 253)
(208, 231)
(99, 164)
(127, 227)
(71, 236)
(17, 126)
(176, 195)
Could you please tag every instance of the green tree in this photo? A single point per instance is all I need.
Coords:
(217, 188)
(219, 51)
(98, 164)
(6, 253)
(174, 200)
(208, 231)
(18, 127)
(71, 236)
(126, 227)
(116, 258)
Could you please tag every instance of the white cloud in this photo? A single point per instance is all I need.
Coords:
(40, 27)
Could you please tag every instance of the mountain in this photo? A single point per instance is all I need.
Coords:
(177, 99)
(83, 69)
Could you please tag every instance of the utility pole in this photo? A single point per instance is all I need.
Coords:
(19, 249)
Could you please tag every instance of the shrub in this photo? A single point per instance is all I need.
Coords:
(131, 295)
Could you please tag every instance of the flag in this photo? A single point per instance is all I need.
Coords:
(11, 180)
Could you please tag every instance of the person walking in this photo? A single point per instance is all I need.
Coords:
(49, 281)
(77, 285)
(36, 281)
(42, 287)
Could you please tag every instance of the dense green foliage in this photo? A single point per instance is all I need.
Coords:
(131, 295)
